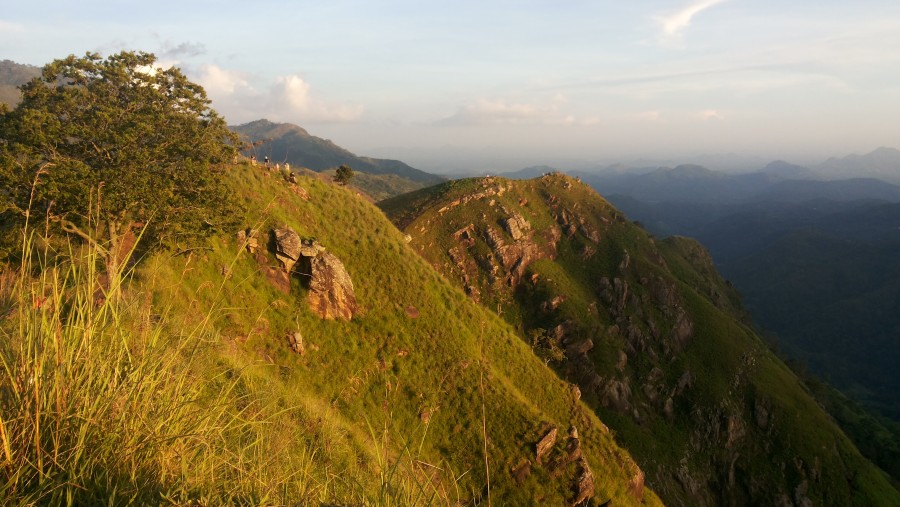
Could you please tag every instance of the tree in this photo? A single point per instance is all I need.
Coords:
(344, 174)
(139, 143)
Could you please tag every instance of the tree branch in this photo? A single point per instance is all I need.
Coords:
(71, 228)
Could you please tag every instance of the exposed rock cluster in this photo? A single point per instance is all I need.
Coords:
(287, 247)
(516, 226)
(557, 461)
(331, 294)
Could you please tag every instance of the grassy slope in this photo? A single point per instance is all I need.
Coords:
(735, 376)
(378, 375)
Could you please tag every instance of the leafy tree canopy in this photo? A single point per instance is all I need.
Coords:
(344, 174)
(138, 142)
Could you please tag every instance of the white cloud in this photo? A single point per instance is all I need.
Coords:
(181, 50)
(710, 114)
(294, 93)
(495, 112)
(222, 83)
(7, 27)
(289, 99)
(674, 23)
(503, 112)
(649, 116)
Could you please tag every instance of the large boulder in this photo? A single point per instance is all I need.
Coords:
(584, 484)
(545, 445)
(331, 294)
(287, 246)
(516, 226)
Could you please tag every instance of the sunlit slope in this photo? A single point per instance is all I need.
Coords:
(422, 376)
(655, 339)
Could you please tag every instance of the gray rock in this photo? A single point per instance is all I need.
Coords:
(669, 409)
(295, 340)
(331, 294)
(545, 445)
(287, 247)
(516, 226)
(310, 248)
(579, 348)
(584, 484)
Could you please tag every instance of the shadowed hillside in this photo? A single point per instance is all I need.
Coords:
(655, 339)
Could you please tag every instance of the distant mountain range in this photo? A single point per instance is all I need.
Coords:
(779, 181)
(883, 163)
(814, 259)
(13, 75)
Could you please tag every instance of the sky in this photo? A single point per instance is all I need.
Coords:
(505, 84)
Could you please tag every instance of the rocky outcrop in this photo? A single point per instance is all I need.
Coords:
(286, 243)
(545, 445)
(617, 395)
(490, 187)
(584, 484)
(558, 462)
(295, 340)
(331, 294)
(579, 347)
(516, 226)
(514, 257)
(248, 239)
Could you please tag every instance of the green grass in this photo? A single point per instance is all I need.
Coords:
(100, 406)
(179, 387)
(733, 371)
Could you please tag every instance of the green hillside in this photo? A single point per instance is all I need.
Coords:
(394, 407)
(287, 143)
(656, 341)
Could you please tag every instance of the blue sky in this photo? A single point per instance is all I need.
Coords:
(502, 82)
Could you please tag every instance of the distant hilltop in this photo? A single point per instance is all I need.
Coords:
(286, 142)
(13, 75)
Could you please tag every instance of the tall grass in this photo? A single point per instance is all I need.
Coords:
(104, 401)
(97, 405)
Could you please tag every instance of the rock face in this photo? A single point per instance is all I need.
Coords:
(558, 462)
(310, 248)
(287, 247)
(331, 293)
(516, 226)
(545, 445)
(584, 484)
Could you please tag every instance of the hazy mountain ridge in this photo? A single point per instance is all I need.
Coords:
(883, 163)
(13, 75)
(778, 181)
(285, 142)
(656, 341)
(839, 236)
